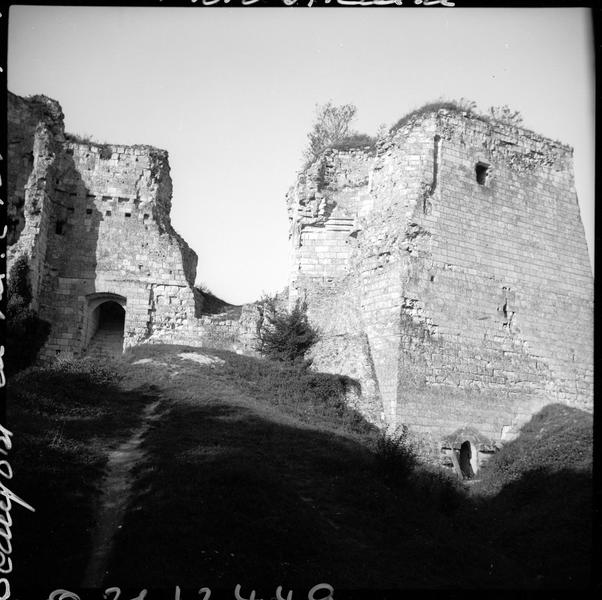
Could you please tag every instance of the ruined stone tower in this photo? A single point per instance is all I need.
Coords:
(446, 267)
(106, 265)
(448, 271)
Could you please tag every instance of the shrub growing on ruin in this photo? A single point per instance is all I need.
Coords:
(506, 115)
(25, 331)
(19, 287)
(503, 114)
(353, 141)
(442, 488)
(330, 127)
(285, 335)
(84, 138)
(395, 455)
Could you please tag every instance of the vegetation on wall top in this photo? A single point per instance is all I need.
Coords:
(332, 125)
(106, 150)
(502, 114)
(332, 129)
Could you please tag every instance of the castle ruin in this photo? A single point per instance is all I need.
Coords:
(108, 270)
(448, 271)
(446, 268)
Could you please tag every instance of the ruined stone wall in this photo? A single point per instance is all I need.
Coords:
(493, 306)
(468, 275)
(324, 210)
(35, 134)
(234, 330)
(111, 235)
(94, 221)
(326, 201)
(94, 218)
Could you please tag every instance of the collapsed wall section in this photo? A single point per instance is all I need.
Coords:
(34, 136)
(324, 209)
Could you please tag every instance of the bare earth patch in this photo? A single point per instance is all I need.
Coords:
(115, 496)
(202, 359)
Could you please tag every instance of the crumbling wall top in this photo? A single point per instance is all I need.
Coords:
(447, 112)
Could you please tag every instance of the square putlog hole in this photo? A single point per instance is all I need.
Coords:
(482, 171)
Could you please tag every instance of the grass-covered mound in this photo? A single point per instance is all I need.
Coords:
(535, 497)
(64, 419)
(556, 439)
(258, 473)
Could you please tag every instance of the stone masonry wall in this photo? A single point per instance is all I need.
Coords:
(324, 208)
(35, 133)
(113, 239)
(513, 319)
(446, 269)
(467, 273)
(94, 221)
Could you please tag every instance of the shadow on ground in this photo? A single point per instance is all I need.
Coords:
(251, 479)
(64, 421)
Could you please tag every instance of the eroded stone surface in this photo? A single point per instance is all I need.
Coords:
(449, 273)
(94, 221)
(447, 269)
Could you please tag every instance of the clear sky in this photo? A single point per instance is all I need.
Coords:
(231, 94)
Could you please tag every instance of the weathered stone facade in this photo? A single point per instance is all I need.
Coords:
(446, 268)
(448, 271)
(94, 221)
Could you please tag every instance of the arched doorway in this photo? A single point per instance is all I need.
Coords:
(465, 459)
(465, 451)
(105, 325)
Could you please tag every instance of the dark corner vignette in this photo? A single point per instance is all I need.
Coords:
(5, 442)
(7, 497)
(3, 200)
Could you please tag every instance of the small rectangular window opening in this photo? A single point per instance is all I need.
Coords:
(108, 213)
(60, 227)
(128, 214)
(482, 172)
(88, 211)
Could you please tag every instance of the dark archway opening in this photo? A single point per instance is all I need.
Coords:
(465, 460)
(108, 321)
(111, 316)
(482, 171)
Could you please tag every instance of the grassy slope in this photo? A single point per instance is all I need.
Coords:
(248, 479)
(63, 420)
(538, 490)
(259, 476)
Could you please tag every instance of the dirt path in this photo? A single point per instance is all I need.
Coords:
(116, 489)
